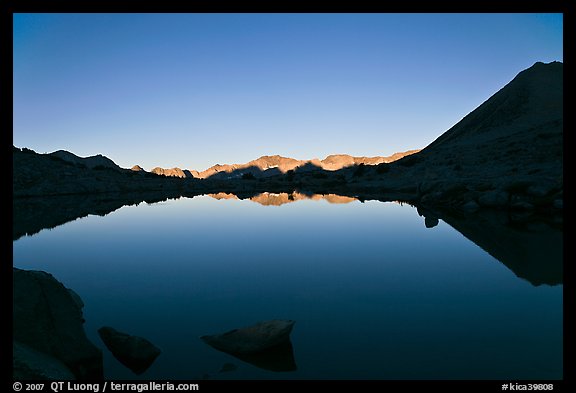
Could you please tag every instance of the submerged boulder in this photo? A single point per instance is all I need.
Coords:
(134, 352)
(266, 344)
(48, 320)
(252, 339)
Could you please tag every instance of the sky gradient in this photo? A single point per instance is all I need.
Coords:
(194, 90)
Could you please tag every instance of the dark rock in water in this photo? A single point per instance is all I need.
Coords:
(251, 339)
(430, 221)
(29, 364)
(47, 319)
(134, 352)
(266, 344)
(77, 299)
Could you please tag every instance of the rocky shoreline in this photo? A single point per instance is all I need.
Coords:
(50, 343)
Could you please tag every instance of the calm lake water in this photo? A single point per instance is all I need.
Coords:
(374, 293)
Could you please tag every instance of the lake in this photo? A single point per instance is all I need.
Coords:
(375, 293)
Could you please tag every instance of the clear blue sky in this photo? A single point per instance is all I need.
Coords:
(193, 90)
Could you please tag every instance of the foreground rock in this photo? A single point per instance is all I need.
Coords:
(252, 339)
(266, 344)
(29, 364)
(48, 330)
(134, 352)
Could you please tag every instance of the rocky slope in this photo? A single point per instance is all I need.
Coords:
(43, 175)
(507, 153)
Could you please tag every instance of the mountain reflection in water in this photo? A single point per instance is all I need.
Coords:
(278, 199)
(532, 249)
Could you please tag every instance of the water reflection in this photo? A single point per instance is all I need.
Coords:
(532, 249)
(31, 215)
(377, 295)
(279, 358)
(278, 199)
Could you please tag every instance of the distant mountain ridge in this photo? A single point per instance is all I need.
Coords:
(90, 162)
(175, 172)
(267, 166)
